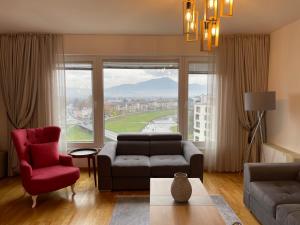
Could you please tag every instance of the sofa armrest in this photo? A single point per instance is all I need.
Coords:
(195, 158)
(26, 170)
(268, 172)
(105, 158)
(65, 160)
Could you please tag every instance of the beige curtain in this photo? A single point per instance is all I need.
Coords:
(28, 70)
(212, 121)
(241, 65)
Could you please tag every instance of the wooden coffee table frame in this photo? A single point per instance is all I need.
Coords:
(200, 210)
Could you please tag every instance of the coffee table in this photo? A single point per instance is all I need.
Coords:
(164, 211)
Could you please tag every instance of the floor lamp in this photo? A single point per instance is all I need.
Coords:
(259, 102)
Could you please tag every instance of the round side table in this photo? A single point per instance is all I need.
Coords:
(90, 154)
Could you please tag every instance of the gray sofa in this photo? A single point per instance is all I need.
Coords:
(129, 163)
(272, 192)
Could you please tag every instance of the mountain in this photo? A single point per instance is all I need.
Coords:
(161, 87)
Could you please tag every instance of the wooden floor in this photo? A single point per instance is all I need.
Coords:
(89, 206)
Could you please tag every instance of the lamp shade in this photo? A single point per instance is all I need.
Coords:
(260, 101)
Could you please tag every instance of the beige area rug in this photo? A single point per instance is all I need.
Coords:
(135, 210)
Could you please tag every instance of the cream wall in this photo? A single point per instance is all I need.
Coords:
(130, 45)
(283, 124)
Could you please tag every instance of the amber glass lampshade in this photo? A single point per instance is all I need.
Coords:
(226, 8)
(190, 20)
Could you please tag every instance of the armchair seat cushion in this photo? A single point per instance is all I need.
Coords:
(167, 165)
(52, 178)
(288, 214)
(270, 194)
(131, 165)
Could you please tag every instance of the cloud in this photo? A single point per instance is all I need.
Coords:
(115, 77)
(79, 79)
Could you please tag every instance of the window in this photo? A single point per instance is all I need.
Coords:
(79, 102)
(106, 97)
(140, 97)
(197, 97)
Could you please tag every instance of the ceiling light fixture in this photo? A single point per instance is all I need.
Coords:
(210, 24)
(190, 21)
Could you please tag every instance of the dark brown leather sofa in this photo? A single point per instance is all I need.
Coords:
(129, 163)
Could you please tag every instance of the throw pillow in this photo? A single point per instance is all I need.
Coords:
(44, 155)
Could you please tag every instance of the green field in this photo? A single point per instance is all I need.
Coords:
(127, 123)
(135, 122)
(76, 133)
(174, 129)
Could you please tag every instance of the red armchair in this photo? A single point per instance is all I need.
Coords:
(38, 180)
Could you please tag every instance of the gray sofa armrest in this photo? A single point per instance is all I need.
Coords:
(105, 158)
(195, 158)
(267, 172)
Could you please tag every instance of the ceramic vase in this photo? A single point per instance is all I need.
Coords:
(181, 188)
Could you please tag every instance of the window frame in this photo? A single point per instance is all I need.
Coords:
(146, 60)
(98, 90)
(188, 61)
(95, 84)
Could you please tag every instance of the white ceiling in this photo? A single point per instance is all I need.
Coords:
(155, 17)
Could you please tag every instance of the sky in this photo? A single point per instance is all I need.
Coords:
(115, 77)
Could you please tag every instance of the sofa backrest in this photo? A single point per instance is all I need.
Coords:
(149, 144)
(166, 144)
(133, 144)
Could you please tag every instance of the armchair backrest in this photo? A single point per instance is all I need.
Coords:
(22, 138)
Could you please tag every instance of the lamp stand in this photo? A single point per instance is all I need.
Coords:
(260, 116)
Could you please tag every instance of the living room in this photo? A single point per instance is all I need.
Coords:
(150, 112)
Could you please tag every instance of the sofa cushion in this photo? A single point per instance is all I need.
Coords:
(52, 178)
(166, 148)
(133, 148)
(131, 166)
(44, 155)
(288, 214)
(270, 194)
(167, 165)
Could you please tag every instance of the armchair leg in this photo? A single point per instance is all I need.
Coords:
(72, 188)
(24, 191)
(34, 197)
